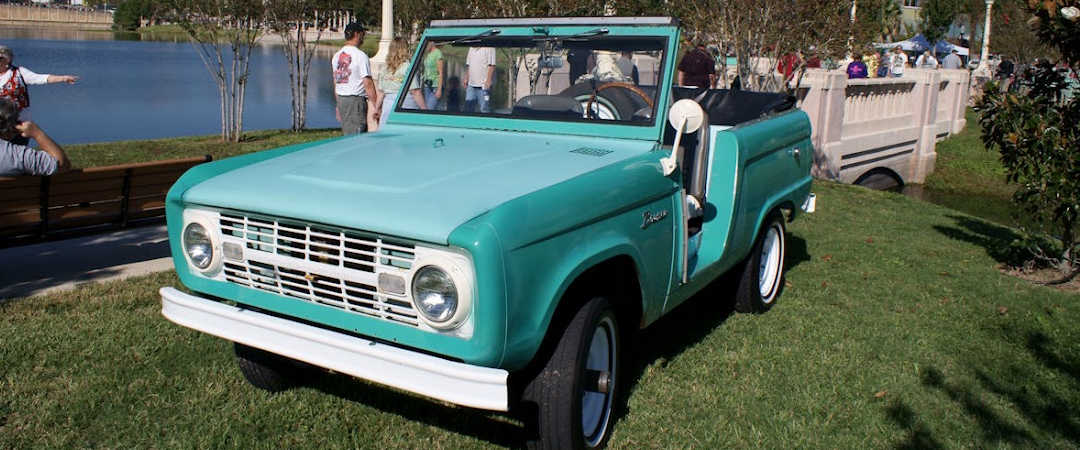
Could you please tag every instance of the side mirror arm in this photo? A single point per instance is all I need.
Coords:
(671, 162)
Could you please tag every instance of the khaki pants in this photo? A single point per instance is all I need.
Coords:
(353, 112)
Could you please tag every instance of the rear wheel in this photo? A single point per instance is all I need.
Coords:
(265, 370)
(763, 273)
(576, 390)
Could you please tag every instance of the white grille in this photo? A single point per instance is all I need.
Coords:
(320, 264)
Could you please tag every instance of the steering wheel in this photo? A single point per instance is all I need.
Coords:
(630, 87)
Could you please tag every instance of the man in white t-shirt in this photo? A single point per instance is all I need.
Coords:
(479, 75)
(353, 86)
(897, 62)
(926, 61)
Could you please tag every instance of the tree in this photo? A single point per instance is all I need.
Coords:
(1012, 37)
(289, 20)
(1038, 137)
(223, 33)
(937, 17)
(130, 14)
(760, 32)
(878, 20)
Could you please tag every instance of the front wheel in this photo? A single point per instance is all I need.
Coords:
(763, 274)
(265, 370)
(575, 392)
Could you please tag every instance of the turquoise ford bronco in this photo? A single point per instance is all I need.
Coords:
(498, 246)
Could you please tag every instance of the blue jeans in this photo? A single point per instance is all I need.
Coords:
(430, 100)
(476, 99)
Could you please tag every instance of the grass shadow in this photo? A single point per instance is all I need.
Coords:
(995, 239)
(1041, 404)
(1011, 405)
(919, 436)
(995, 428)
(678, 330)
(796, 252)
(492, 427)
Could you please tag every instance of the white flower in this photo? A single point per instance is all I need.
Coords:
(1070, 12)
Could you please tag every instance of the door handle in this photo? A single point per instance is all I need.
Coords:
(794, 152)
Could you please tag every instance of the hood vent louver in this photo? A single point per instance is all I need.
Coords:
(597, 152)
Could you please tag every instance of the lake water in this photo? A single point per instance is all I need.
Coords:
(131, 89)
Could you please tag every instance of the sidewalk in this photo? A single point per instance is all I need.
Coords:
(62, 265)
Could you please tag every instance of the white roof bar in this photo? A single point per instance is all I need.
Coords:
(536, 21)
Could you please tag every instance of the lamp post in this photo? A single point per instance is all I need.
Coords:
(983, 71)
(851, 31)
(387, 32)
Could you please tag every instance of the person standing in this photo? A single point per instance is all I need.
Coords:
(898, 62)
(581, 61)
(856, 68)
(926, 61)
(14, 81)
(434, 68)
(884, 63)
(952, 61)
(627, 67)
(389, 80)
(696, 68)
(479, 74)
(871, 60)
(353, 87)
(20, 159)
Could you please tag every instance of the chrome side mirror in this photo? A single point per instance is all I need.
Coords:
(686, 116)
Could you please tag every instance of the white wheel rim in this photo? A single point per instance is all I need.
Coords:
(596, 406)
(601, 108)
(772, 262)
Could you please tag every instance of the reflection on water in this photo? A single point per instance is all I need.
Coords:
(135, 87)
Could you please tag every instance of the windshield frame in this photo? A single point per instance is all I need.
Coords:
(667, 35)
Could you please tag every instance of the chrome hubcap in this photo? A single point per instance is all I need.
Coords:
(600, 378)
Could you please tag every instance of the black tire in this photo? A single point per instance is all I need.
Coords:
(614, 99)
(565, 387)
(265, 370)
(762, 276)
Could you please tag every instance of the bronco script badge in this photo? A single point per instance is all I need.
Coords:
(651, 218)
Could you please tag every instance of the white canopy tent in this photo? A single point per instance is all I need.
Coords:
(918, 43)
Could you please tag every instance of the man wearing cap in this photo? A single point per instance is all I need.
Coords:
(952, 61)
(14, 80)
(19, 159)
(352, 82)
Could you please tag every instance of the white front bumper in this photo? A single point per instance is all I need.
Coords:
(460, 383)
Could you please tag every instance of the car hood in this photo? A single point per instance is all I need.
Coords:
(409, 181)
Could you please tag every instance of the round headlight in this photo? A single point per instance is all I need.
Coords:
(435, 295)
(197, 245)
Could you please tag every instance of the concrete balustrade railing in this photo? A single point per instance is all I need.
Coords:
(35, 15)
(882, 125)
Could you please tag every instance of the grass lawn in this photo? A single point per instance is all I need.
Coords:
(969, 178)
(896, 330)
(111, 153)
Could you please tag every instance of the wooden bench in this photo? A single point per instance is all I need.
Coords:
(83, 200)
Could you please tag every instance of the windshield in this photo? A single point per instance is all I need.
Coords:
(585, 77)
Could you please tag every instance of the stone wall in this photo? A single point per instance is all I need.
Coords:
(877, 124)
(49, 16)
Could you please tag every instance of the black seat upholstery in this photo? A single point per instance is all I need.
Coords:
(548, 107)
(730, 108)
